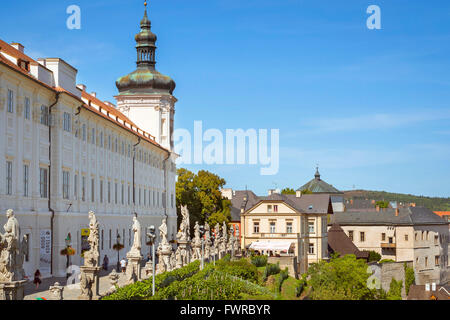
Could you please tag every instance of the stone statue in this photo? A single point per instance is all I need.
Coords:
(91, 257)
(57, 291)
(185, 226)
(12, 251)
(113, 280)
(86, 283)
(136, 248)
(196, 243)
(163, 233)
(173, 261)
(207, 241)
(178, 259)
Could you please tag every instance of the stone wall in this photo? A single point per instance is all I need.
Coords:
(289, 262)
(392, 270)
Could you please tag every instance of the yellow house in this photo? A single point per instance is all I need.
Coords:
(293, 225)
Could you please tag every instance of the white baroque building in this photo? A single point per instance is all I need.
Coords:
(64, 152)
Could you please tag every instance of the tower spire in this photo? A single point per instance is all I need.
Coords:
(145, 43)
(317, 175)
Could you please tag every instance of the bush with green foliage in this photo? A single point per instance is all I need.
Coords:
(271, 269)
(284, 274)
(386, 261)
(374, 256)
(342, 278)
(142, 289)
(240, 268)
(409, 278)
(259, 261)
(395, 290)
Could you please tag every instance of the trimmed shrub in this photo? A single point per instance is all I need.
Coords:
(259, 261)
(271, 269)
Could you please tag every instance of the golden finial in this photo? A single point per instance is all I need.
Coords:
(145, 4)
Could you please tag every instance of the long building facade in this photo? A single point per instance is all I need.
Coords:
(64, 152)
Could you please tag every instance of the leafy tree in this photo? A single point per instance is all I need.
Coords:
(409, 277)
(374, 256)
(288, 191)
(307, 191)
(395, 290)
(343, 278)
(382, 204)
(201, 193)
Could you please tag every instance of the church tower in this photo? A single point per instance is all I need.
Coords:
(145, 95)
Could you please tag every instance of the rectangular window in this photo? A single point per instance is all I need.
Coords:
(93, 136)
(115, 193)
(311, 226)
(362, 236)
(383, 237)
(9, 178)
(436, 261)
(27, 108)
(289, 227)
(75, 187)
(406, 237)
(255, 227)
(10, 101)
(109, 192)
(171, 199)
(93, 190)
(66, 185)
(269, 208)
(67, 122)
(123, 194)
(436, 239)
(101, 139)
(426, 261)
(43, 182)
(44, 115)
(103, 237)
(101, 191)
(139, 196)
(272, 227)
(311, 248)
(83, 188)
(109, 142)
(129, 197)
(275, 208)
(83, 132)
(350, 235)
(26, 178)
(110, 236)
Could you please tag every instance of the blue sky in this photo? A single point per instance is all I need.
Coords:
(371, 107)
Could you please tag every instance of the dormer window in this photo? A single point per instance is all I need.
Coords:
(269, 208)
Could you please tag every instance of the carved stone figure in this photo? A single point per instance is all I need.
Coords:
(163, 233)
(12, 251)
(113, 280)
(57, 291)
(186, 227)
(178, 259)
(91, 257)
(196, 243)
(136, 248)
(207, 241)
(86, 283)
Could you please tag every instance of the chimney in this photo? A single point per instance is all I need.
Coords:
(427, 287)
(397, 211)
(82, 87)
(18, 46)
(94, 94)
(271, 191)
(378, 208)
(298, 194)
(227, 193)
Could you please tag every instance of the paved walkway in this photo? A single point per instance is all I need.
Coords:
(70, 292)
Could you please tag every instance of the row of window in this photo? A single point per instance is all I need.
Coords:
(44, 118)
(437, 261)
(109, 142)
(272, 227)
(143, 196)
(362, 237)
(43, 180)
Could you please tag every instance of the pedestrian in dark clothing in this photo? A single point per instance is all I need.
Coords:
(37, 278)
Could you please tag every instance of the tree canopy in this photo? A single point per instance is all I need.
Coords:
(343, 278)
(288, 191)
(201, 193)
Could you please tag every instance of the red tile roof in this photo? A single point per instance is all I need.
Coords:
(120, 119)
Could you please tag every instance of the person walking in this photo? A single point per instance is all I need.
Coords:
(37, 278)
(123, 264)
(105, 262)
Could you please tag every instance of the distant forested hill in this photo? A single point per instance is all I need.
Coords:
(435, 204)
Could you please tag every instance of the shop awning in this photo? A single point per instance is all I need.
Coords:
(272, 246)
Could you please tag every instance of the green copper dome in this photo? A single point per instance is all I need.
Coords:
(145, 79)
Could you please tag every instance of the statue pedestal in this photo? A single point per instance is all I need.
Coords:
(133, 271)
(13, 290)
(164, 259)
(91, 273)
(185, 250)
